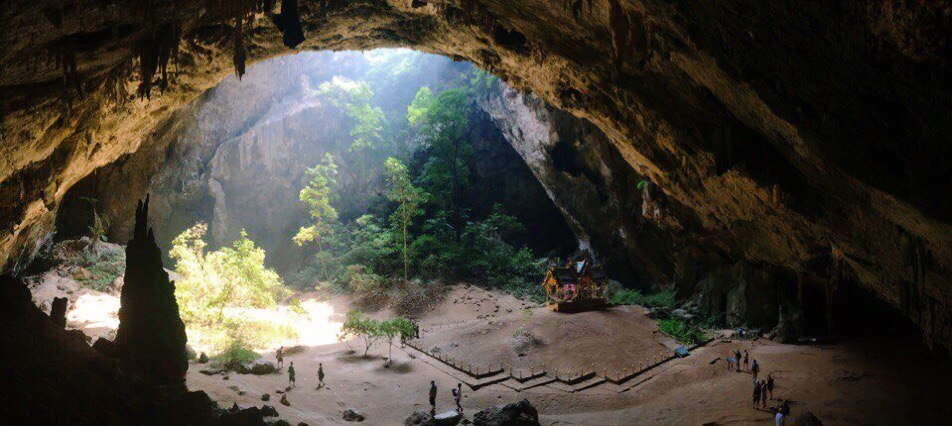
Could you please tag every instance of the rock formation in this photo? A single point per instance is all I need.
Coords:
(520, 413)
(151, 336)
(58, 311)
(776, 130)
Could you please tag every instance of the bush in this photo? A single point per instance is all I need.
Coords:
(235, 355)
(663, 299)
(104, 266)
(521, 288)
(681, 330)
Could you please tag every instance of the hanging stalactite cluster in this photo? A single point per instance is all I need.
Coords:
(632, 37)
(62, 54)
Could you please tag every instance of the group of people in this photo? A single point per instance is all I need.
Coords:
(457, 397)
(292, 379)
(763, 389)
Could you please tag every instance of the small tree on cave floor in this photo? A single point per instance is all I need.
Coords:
(399, 326)
(318, 196)
(409, 198)
(365, 328)
(97, 230)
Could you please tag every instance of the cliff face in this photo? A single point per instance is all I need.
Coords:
(807, 136)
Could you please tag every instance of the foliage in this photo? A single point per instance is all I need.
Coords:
(662, 299)
(214, 289)
(103, 267)
(235, 354)
(399, 326)
(483, 82)
(317, 196)
(682, 330)
(364, 328)
(361, 281)
(408, 198)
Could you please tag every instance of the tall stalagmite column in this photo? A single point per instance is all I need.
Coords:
(151, 336)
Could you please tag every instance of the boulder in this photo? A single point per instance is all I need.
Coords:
(279, 422)
(266, 397)
(269, 411)
(520, 413)
(294, 350)
(352, 415)
(418, 417)
(258, 367)
(58, 311)
(202, 358)
(284, 400)
(248, 416)
(807, 419)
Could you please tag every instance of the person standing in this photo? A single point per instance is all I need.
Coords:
(433, 397)
(291, 375)
(756, 395)
(770, 384)
(754, 369)
(763, 394)
(280, 356)
(738, 358)
(458, 397)
(746, 359)
(320, 375)
(730, 363)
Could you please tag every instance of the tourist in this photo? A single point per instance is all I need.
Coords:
(746, 359)
(757, 390)
(763, 394)
(291, 375)
(740, 332)
(320, 375)
(779, 419)
(280, 355)
(433, 397)
(782, 412)
(754, 369)
(730, 363)
(738, 358)
(770, 384)
(458, 396)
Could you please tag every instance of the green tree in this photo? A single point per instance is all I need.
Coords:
(365, 328)
(441, 122)
(408, 197)
(399, 326)
(318, 196)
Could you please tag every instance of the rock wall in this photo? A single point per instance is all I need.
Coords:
(793, 133)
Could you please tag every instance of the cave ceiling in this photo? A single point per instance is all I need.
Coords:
(777, 132)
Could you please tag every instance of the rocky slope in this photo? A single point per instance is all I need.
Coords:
(806, 136)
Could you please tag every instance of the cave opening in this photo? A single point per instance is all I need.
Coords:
(265, 217)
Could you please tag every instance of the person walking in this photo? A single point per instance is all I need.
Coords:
(756, 396)
(754, 369)
(458, 397)
(280, 356)
(763, 394)
(291, 375)
(770, 384)
(320, 375)
(432, 397)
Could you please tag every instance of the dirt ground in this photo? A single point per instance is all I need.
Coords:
(863, 381)
(870, 380)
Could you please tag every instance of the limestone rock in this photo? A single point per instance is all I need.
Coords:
(151, 336)
(268, 410)
(807, 419)
(520, 413)
(58, 311)
(352, 415)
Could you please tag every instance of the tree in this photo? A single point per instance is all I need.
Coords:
(365, 328)
(317, 195)
(441, 122)
(97, 230)
(408, 198)
(214, 288)
(399, 326)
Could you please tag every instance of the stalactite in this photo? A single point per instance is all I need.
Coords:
(238, 53)
(167, 48)
(289, 23)
(62, 54)
(114, 86)
(148, 62)
(620, 26)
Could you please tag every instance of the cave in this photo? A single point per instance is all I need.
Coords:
(770, 177)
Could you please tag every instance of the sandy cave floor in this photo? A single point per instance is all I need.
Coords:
(869, 380)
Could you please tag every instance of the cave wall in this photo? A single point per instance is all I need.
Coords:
(849, 99)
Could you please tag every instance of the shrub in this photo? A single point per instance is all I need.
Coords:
(104, 266)
(235, 354)
(681, 330)
(662, 299)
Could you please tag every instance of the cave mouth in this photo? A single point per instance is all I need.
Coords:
(304, 142)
